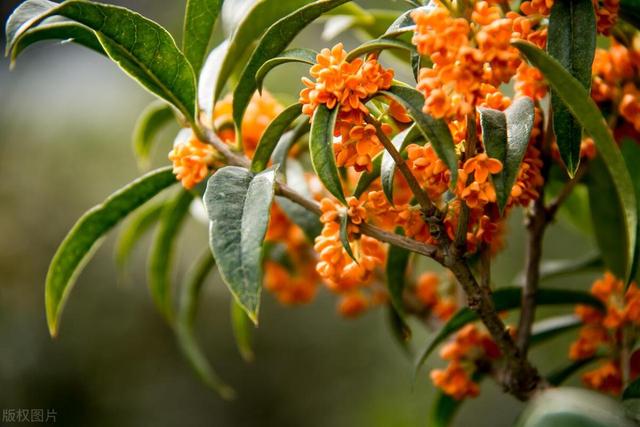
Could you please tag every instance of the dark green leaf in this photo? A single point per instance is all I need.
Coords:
(400, 330)
(304, 56)
(506, 136)
(272, 135)
(444, 409)
(579, 102)
(260, 16)
(199, 18)
(557, 268)
(139, 224)
(632, 391)
(560, 375)
(321, 148)
(435, 131)
(272, 43)
(366, 177)
(377, 45)
(242, 331)
(507, 299)
(631, 153)
(288, 140)
(184, 330)
(572, 41)
(396, 272)
(142, 48)
(85, 237)
(151, 121)
(162, 249)
(404, 23)
(344, 235)
(239, 203)
(57, 28)
(553, 326)
(388, 165)
(630, 12)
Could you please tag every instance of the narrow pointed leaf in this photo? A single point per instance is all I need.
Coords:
(272, 43)
(199, 19)
(378, 45)
(572, 41)
(400, 330)
(579, 102)
(557, 268)
(367, 177)
(260, 16)
(86, 235)
(272, 135)
(57, 29)
(388, 165)
(446, 407)
(553, 326)
(299, 55)
(238, 203)
(396, 271)
(185, 334)
(321, 148)
(242, 331)
(140, 223)
(507, 299)
(287, 141)
(435, 131)
(162, 250)
(404, 23)
(631, 153)
(151, 121)
(505, 135)
(561, 374)
(344, 235)
(142, 48)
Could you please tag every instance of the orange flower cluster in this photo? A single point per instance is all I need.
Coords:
(605, 331)
(606, 12)
(347, 84)
(469, 351)
(290, 288)
(192, 160)
(428, 293)
(343, 274)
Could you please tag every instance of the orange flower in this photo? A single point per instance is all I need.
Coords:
(477, 194)
(191, 160)
(606, 378)
(455, 381)
(431, 172)
(482, 166)
(352, 304)
(290, 289)
(427, 289)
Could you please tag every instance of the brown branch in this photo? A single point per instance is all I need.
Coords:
(566, 191)
(469, 151)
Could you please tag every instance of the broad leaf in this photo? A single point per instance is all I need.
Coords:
(572, 41)
(388, 165)
(272, 135)
(140, 223)
(57, 29)
(238, 203)
(199, 18)
(367, 177)
(260, 16)
(85, 237)
(184, 329)
(506, 135)
(209, 77)
(507, 299)
(435, 131)
(321, 148)
(272, 43)
(303, 56)
(579, 102)
(142, 48)
(396, 271)
(377, 45)
(242, 331)
(151, 121)
(161, 253)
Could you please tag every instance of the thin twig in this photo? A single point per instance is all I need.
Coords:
(566, 191)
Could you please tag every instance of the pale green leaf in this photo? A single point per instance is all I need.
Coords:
(150, 122)
(299, 55)
(242, 331)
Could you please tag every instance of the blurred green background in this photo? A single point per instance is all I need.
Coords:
(65, 125)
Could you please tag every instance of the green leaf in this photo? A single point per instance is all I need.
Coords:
(323, 158)
(239, 203)
(377, 45)
(307, 221)
(561, 374)
(199, 18)
(162, 249)
(388, 165)
(242, 331)
(184, 330)
(151, 121)
(435, 131)
(404, 23)
(209, 77)
(572, 41)
(631, 153)
(400, 330)
(344, 235)
(444, 409)
(396, 272)
(272, 135)
(261, 15)
(139, 224)
(552, 269)
(303, 56)
(506, 135)
(507, 299)
(142, 48)
(57, 29)
(366, 177)
(272, 43)
(553, 326)
(85, 237)
(630, 12)
(579, 102)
